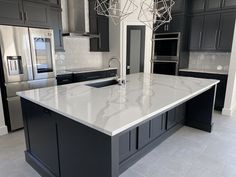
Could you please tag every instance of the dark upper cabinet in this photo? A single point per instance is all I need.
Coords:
(213, 5)
(196, 32)
(36, 14)
(179, 6)
(226, 31)
(229, 4)
(11, 12)
(56, 24)
(197, 6)
(176, 25)
(98, 25)
(210, 32)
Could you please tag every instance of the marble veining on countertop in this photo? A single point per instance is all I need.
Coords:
(114, 109)
(205, 71)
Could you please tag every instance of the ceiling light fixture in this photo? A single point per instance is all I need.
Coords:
(114, 9)
(155, 13)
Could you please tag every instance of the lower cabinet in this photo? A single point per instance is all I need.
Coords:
(127, 144)
(43, 145)
(221, 87)
(175, 116)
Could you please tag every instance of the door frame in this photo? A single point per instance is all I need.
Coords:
(142, 52)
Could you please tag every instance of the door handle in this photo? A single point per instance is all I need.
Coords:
(128, 67)
(200, 40)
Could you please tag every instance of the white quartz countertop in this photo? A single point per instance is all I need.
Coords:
(223, 72)
(114, 109)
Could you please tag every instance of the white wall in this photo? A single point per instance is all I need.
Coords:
(3, 128)
(230, 99)
(133, 20)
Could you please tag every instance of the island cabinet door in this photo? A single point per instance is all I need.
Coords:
(176, 116)
(144, 135)
(158, 126)
(127, 144)
(42, 136)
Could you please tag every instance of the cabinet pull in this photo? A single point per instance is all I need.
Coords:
(100, 42)
(200, 40)
(216, 38)
(218, 41)
(167, 27)
(26, 16)
(21, 15)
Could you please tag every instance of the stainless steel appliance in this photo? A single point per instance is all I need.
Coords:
(166, 46)
(27, 59)
(166, 51)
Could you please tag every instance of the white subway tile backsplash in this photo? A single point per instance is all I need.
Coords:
(209, 61)
(77, 55)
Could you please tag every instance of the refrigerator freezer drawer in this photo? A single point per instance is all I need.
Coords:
(12, 88)
(42, 83)
(15, 112)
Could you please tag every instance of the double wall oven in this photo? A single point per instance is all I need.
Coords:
(27, 62)
(166, 50)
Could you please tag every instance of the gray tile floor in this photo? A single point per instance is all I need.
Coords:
(187, 153)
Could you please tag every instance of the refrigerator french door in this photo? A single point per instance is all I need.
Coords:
(27, 61)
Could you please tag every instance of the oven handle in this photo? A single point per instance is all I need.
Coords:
(164, 39)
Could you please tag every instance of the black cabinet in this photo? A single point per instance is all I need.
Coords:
(41, 124)
(36, 14)
(143, 135)
(176, 25)
(179, 6)
(196, 32)
(55, 23)
(11, 12)
(64, 79)
(197, 6)
(229, 4)
(175, 116)
(213, 5)
(226, 31)
(210, 32)
(157, 126)
(98, 25)
(127, 144)
(221, 87)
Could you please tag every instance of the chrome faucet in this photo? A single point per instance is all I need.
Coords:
(119, 79)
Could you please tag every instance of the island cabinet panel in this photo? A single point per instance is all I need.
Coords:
(158, 126)
(175, 116)
(42, 139)
(143, 135)
(127, 144)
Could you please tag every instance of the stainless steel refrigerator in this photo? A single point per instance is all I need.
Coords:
(27, 62)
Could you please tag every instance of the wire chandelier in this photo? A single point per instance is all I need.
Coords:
(155, 13)
(113, 9)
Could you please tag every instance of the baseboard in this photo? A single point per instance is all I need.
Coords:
(229, 112)
(3, 130)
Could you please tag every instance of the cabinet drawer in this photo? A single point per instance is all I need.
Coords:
(89, 76)
(64, 79)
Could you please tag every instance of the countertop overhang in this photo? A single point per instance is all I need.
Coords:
(114, 109)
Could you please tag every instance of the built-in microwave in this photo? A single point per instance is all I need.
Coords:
(166, 46)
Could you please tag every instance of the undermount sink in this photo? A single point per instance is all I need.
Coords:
(103, 84)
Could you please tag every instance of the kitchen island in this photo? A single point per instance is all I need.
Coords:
(77, 130)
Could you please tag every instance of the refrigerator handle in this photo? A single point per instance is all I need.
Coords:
(26, 16)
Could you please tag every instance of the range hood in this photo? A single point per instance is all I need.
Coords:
(78, 19)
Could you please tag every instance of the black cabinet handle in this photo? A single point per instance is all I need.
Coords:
(21, 15)
(26, 16)
(218, 42)
(200, 40)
